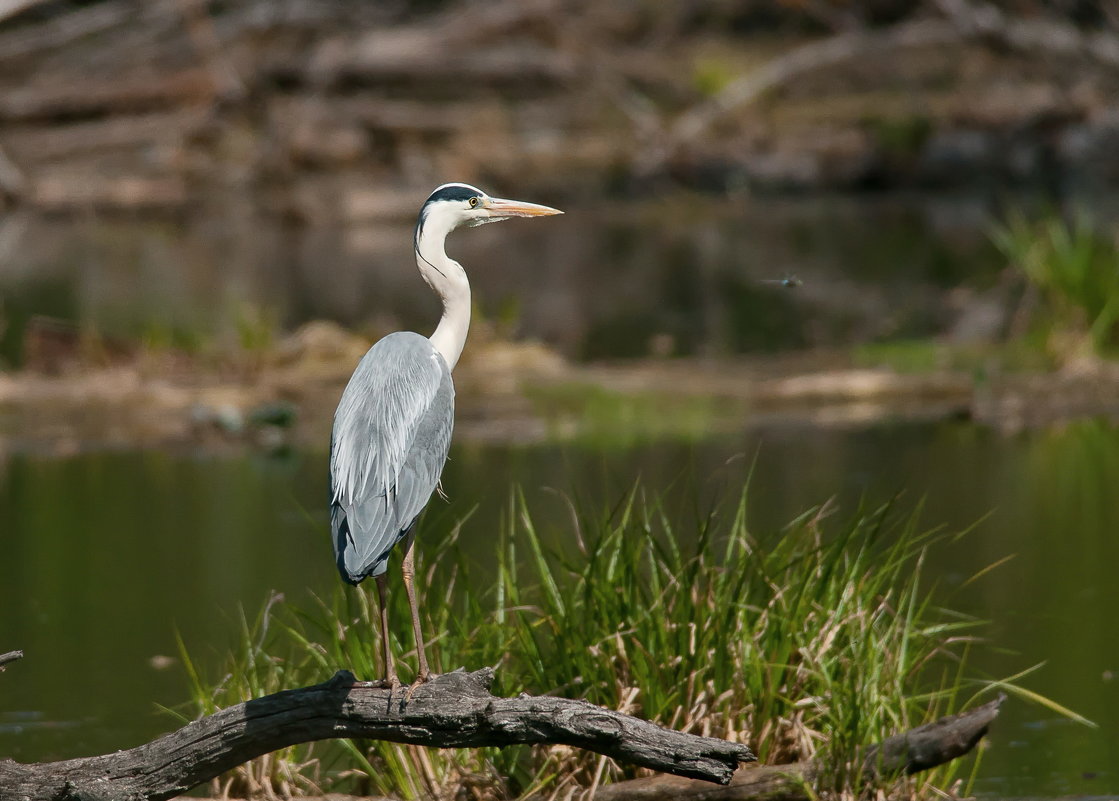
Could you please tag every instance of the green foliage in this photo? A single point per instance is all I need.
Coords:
(711, 75)
(906, 356)
(918, 356)
(606, 418)
(900, 136)
(162, 336)
(1075, 269)
(256, 326)
(812, 641)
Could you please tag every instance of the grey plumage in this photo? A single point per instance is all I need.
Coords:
(393, 423)
(391, 433)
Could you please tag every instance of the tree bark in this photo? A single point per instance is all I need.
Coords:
(455, 710)
(909, 752)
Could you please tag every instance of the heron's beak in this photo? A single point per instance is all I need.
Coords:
(501, 209)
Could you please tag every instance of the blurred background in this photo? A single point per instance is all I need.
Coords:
(866, 248)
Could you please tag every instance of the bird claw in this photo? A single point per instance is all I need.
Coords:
(392, 684)
(422, 678)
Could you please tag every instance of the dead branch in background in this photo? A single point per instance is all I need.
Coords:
(64, 29)
(799, 61)
(558, 85)
(964, 21)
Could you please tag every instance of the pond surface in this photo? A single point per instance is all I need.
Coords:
(106, 556)
(674, 276)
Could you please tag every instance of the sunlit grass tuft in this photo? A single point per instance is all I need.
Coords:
(809, 642)
(1075, 269)
(612, 419)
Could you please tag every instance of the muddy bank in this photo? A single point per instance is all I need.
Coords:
(512, 393)
(312, 110)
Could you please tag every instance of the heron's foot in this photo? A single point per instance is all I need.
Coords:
(392, 683)
(422, 678)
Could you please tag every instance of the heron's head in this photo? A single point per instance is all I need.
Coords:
(452, 205)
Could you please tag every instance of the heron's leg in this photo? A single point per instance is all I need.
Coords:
(408, 568)
(391, 679)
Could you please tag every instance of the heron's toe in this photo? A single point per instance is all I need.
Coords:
(421, 679)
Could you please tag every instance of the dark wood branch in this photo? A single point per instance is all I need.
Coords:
(455, 710)
(932, 744)
(909, 752)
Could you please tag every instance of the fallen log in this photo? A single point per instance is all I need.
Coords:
(455, 710)
(910, 752)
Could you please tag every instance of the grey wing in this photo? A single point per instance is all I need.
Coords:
(391, 433)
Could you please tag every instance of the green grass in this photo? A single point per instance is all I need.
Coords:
(607, 418)
(921, 356)
(1074, 270)
(809, 642)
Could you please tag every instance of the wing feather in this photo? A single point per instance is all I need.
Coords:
(391, 433)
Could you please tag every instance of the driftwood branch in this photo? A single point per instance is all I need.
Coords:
(909, 752)
(933, 744)
(11, 656)
(965, 21)
(835, 50)
(455, 710)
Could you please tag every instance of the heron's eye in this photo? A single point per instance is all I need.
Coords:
(473, 202)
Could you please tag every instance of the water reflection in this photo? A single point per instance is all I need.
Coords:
(678, 275)
(106, 555)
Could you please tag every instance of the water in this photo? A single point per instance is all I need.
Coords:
(679, 276)
(108, 555)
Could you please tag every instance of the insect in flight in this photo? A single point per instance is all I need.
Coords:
(789, 281)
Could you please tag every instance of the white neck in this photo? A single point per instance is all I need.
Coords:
(446, 276)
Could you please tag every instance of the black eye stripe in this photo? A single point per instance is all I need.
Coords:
(453, 192)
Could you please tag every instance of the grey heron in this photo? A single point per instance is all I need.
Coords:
(393, 424)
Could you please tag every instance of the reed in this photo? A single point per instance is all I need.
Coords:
(1074, 271)
(807, 642)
